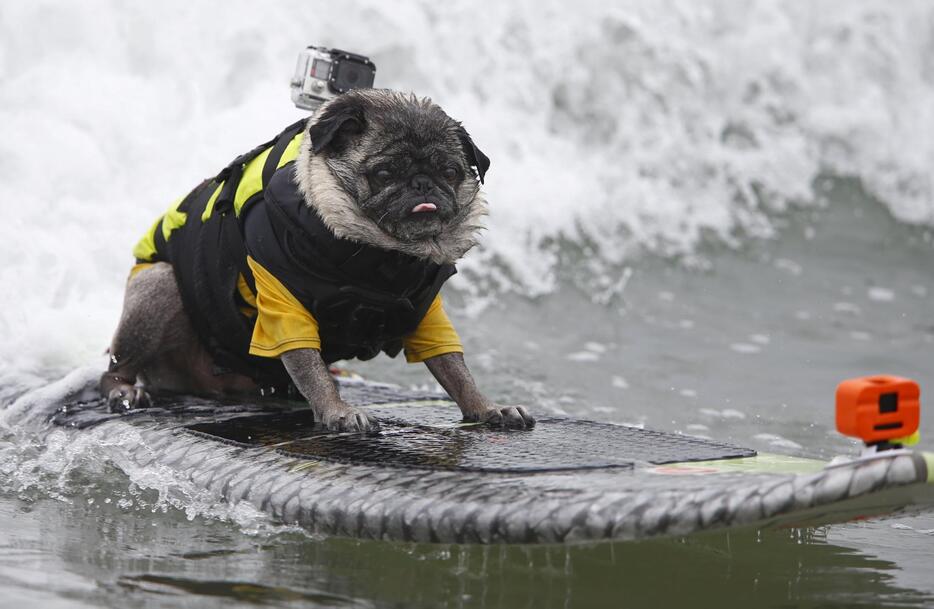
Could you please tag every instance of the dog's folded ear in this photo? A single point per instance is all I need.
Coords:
(338, 123)
(475, 157)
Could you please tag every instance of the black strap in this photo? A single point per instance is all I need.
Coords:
(242, 160)
(278, 149)
(233, 172)
(225, 199)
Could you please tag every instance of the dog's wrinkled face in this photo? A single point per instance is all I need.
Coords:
(412, 185)
(408, 170)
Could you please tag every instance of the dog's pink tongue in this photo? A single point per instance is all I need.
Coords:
(424, 207)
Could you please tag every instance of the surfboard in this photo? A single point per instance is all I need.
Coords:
(428, 477)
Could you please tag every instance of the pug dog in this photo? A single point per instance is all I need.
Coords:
(329, 242)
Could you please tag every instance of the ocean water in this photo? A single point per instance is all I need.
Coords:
(704, 215)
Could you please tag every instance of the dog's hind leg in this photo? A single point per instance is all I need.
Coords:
(153, 323)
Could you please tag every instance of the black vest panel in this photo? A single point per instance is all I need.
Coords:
(207, 258)
(365, 299)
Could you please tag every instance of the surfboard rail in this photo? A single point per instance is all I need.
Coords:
(375, 502)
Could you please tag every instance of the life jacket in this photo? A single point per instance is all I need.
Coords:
(364, 299)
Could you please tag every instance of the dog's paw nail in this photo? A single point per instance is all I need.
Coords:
(508, 417)
(124, 399)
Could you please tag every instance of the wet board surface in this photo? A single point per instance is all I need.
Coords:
(422, 431)
(427, 477)
(556, 444)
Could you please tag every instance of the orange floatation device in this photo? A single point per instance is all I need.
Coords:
(880, 410)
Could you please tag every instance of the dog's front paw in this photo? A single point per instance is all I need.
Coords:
(509, 417)
(127, 397)
(347, 418)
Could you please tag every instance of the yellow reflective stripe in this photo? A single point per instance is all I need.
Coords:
(210, 205)
(291, 151)
(252, 180)
(908, 440)
(173, 219)
(145, 248)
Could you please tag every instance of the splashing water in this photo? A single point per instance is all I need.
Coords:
(37, 460)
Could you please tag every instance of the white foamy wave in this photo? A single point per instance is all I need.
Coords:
(40, 460)
(611, 128)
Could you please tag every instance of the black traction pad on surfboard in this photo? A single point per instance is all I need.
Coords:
(555, 444)
(419, 430)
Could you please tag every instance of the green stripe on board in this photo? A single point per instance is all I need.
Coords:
(763, 463)
(929, 460)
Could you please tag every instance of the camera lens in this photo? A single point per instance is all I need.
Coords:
(351, 74)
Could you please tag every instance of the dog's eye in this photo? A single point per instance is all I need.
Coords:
(450, 174)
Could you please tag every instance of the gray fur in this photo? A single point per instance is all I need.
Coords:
(330, 182)
(452, 374)
(156, 343)
(312, 378)
(153, 316)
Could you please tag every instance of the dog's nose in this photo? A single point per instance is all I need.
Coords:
(422, 183)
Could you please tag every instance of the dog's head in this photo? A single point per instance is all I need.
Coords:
(394, 171)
